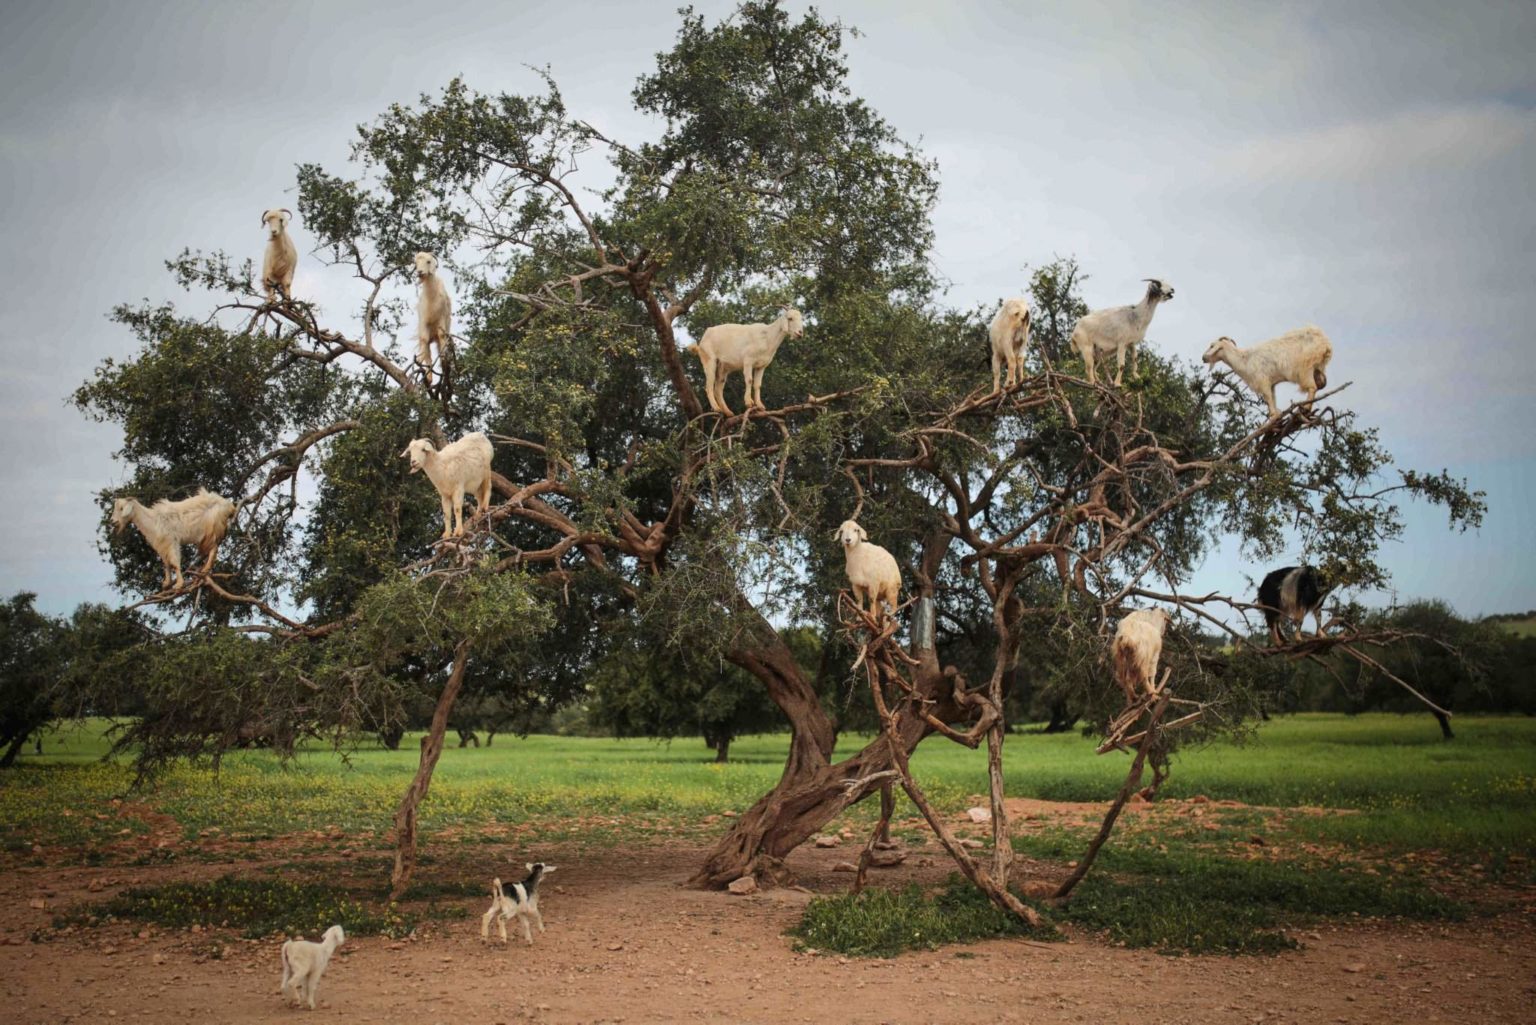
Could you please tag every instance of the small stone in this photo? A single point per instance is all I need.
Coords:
(887, 859)
(845, 866)
(38, 903)
(95, 885)
(743, 886)
(979, 814)
(824, 840)
(1356, 968)
(616, 946)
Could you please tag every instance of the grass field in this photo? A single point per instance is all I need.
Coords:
(1474, 797)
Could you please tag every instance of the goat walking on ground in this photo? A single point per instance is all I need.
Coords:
(201, 520)
(304, 962)
(726, 348)
(281, 257)
(1115, 330)
(521, 902)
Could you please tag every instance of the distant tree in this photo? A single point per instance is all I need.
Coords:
(32, 658)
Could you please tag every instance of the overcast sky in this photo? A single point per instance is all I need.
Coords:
(1368, 168)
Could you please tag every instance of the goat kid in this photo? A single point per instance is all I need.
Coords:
(520, 902)
(304, 962)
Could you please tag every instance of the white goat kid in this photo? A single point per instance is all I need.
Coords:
(1010, 337)
(201, 520)
(522, 903)
(460, 468)
(1298, 357)
(872, 571)
(280, 257)
(435, 310)
(727, 348)
(304, 962)
(1115, 330)
(1137, 647)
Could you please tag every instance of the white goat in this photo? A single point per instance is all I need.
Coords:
(201, 520)
(464, 466)
(1298, 357)
(280, 257)
(436, 313)
(522, 903)
(1010, 337)
(1115, 330)
(872, 571)
(1137, 647)
(726, 348)
(304, 962)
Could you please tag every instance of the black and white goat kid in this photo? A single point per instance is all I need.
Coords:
(1292, 593)
(520, 901)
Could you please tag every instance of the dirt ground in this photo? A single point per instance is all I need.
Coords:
(628, 943)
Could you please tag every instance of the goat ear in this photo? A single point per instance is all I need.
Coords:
(863, 534)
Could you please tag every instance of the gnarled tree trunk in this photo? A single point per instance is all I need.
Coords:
(431, 751)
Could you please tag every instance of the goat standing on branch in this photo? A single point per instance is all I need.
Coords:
(1291, 593)
(726, 348)
(435, 310)
(461, 467)
(201, 520)
(1298, 357)
(1137, 647)
(1115, 330)
(280, 257)
(872, 571)
(1010, 338)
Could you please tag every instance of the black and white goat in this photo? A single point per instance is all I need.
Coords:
(520, 901)
(1292, 593)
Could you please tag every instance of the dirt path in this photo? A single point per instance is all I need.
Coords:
(627, 944)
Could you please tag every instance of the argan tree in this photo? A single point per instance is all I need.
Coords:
(580, 264)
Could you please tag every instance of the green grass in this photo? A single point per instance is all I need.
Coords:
(883, 923)
(1473, 798)
(256, 907)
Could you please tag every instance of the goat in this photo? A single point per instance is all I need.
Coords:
(1115, 330)
(522, 903)
(435, 310)
(464, 466)
(1136, 649)
(726, 348)
(281, 257)
(1010, 337)
(201, 520)
(1298, 357)
(1291, 593)
(872, 571)
(304, 962)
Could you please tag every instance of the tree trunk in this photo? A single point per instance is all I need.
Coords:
(1061, 719)
(468, 737)
(722, 748)
(391, 738)
(9, 758)
(431, 750)
(1440, 717)
(490, 735)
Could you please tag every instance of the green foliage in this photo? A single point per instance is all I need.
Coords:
(883, 923)
(31, 655)
(257, 907)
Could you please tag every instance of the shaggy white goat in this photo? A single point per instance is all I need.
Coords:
(726, 348)
(281, 257)
(1298, 357)
(464, 466)
(436, 312)
(1137, 647)
(1115, 330)
(201, 520)
(1010, 337)
(304, 962)
(872, 571)
(522, 903)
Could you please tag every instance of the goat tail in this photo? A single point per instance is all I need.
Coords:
(1128, 668)
(287, 969)
(496, 889)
